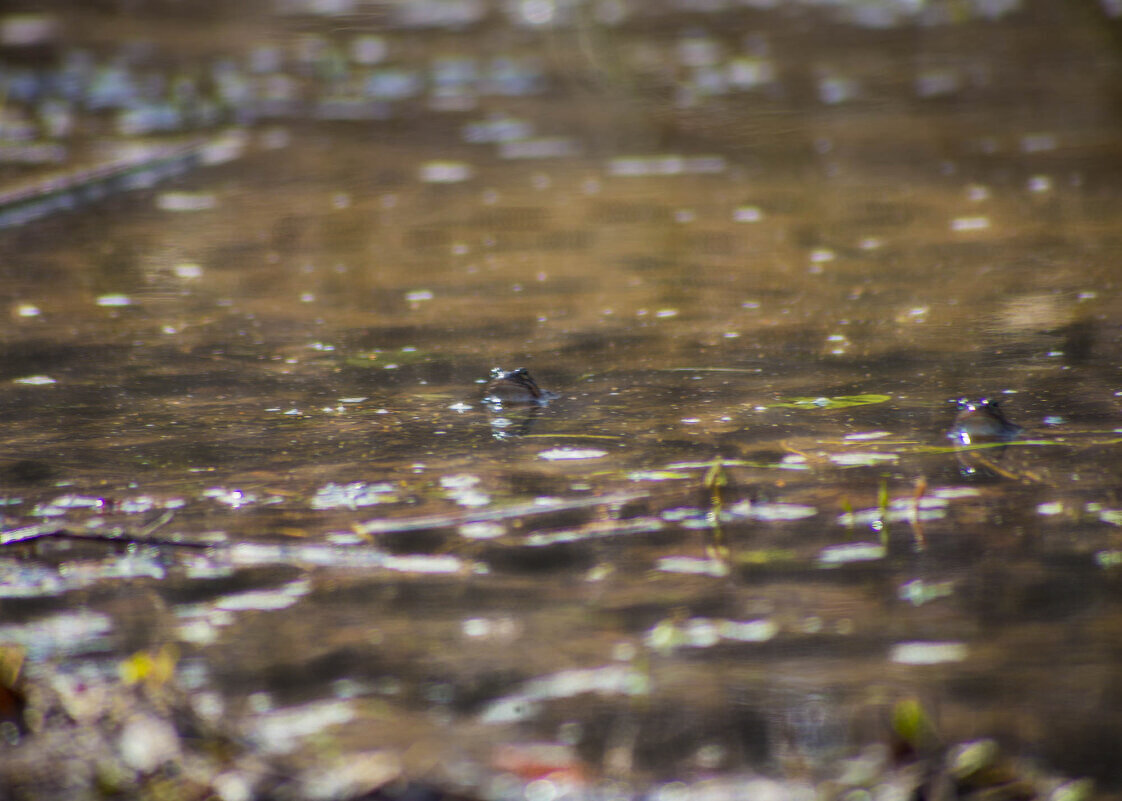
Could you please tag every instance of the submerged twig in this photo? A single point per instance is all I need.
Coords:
(144, 536)
(27, 533)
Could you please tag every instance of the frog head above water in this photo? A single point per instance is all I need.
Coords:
(980, 421)
(515, 387)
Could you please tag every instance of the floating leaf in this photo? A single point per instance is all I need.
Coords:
(836, 402)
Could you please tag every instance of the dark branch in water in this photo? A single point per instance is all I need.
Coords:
(146, 535)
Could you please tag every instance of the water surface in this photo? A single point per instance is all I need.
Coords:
(262, 537)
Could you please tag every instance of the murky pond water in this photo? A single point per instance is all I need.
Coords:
(263, 536)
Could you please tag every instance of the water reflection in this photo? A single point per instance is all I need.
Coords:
(262, 537)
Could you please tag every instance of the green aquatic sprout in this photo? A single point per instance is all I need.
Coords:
(911, 723)
(836, 402)
(715, 479)
(882, 508)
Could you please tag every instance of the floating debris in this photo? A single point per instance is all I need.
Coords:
(568, 454)
(280, 731)
(35, 380)
(445, 172)
(747, 214)
(605, 681)
(461, 489)
(65, 503)
(234, 498)
(835, 89)
(865, 436)
(645, 166)
(963, 224)
(265, 600)
(748, 630)
(355, 495)
(836, 555)
(497, 129)
(552, 147)
(772, 512)
(927, 507)
(928, 653)
(919, 592)
(595, 530)
(482, 531)
(858, 459)
(186, 201)
(692, 565)
(699, 632)
(188, 271)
